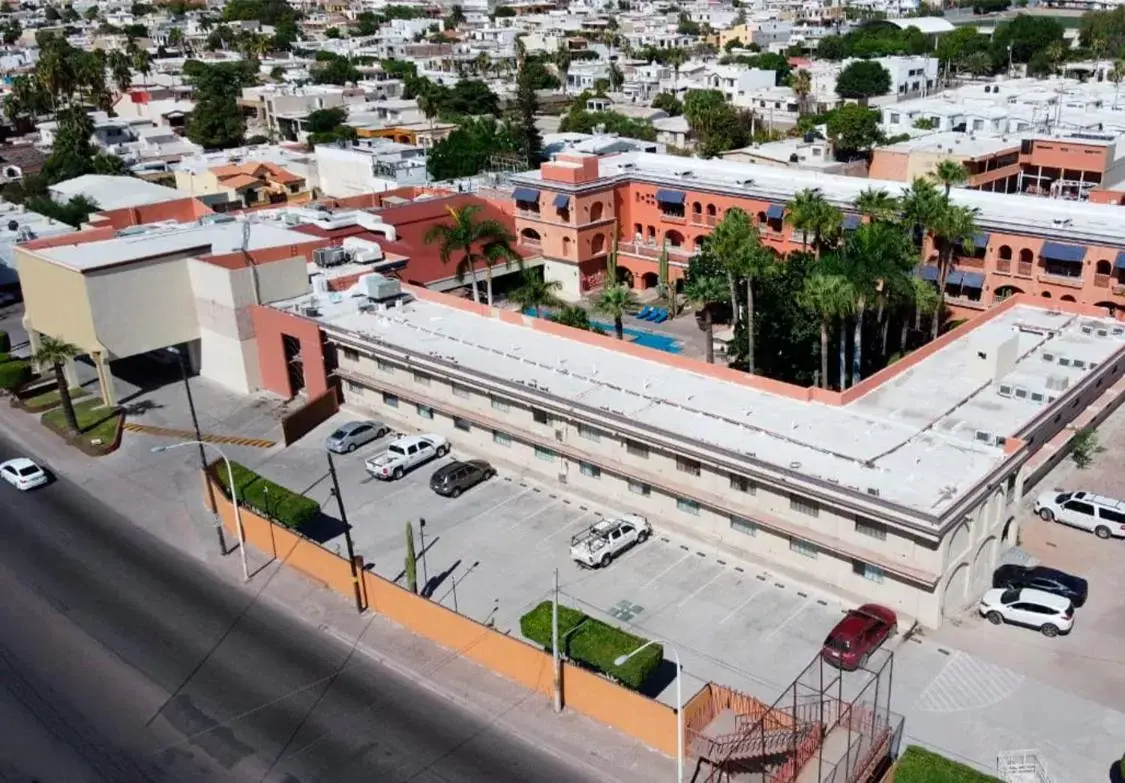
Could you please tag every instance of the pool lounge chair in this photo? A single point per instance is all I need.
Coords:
(660, 317)
(644, 312)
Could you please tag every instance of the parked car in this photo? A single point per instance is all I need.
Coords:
(860, 633)
(23, 474)
(406, 454)
(598, 545)
(1049, 580)
(353, 434)
(1104, 516)
(1047, 613)
(453, 479)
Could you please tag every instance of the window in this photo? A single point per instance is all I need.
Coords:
(390, 400)
(351, 354)
(639, 488)
(868, 571)
(803, 548)
(383, 366)
(743, 526)
(500, 405)
(353, 387)
(501, 438)
(685, 465)
(687, 506)
(589, 433)
(540, 417)
(742, 484)
(460, 391)
(1078, 507)
(544, 454)
(636, 449)
(895, 118)
(586, 469)
(425, 412)
(421, 378)
(462, 424)
(804, 505)
(865, 527)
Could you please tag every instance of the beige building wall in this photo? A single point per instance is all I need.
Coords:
(56, 301)
(203, 183)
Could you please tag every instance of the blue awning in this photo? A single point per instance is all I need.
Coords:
(675, 197)
(852, 222)
(775, 212)
(929, 273)
(562, 201)
(1057, 251)
(954, 277)
(1120, 262)
(972, 280)
(527, 195)
(980, 240)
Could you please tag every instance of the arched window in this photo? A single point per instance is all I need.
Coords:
(761, 218)
(1066, 298)
(596, 211)
(566, 243)
(1104, 267)
(673, 239)
(651, 235)
(711, 211)
(529, 236)
(1046, 294)
(1026, 256)
(1005, 253)
(597, 244)
(696, 208)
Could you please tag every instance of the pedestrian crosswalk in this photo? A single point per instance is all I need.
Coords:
(168, 432)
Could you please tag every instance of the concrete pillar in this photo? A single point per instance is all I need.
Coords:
(33, 341)
(70, 372)
(105, 379)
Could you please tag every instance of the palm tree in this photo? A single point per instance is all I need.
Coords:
(876, 205)
(800, 81)
(705, 292)
(1116, 74)
(573, 316)
(176, 38)
(925, 299)
(536, 293)
(735, 242)
(55, 354)
(676, 58)
(475, 242)
(616, 300)
(949, 173)
(830, 297)
(142, 62)
(954, 227)
(921, 204)
(121, 69)
(810, 213)
(563, 60)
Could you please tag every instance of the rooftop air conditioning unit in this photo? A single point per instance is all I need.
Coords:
(1057, 382)
(380, 288)
(330, 256)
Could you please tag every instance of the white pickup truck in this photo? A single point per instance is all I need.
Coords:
(598, 545)
(406, 454)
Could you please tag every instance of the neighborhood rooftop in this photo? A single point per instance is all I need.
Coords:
(916, 441)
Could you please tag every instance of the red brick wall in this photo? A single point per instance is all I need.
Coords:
(270, 326)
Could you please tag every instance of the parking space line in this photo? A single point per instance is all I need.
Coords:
(804, 605)
(699, 589)
(565, 527)
(753, 594)
(533, 514)
(664, 572)
(490, 510)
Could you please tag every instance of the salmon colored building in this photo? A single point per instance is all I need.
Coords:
(573, 209)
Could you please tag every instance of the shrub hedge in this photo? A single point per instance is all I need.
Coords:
(5, 342)
(595, 644)
(918, 765)
(266, 498)
(13, 373)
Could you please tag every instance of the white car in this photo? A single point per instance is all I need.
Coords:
(598, 545)
(1045, 612)
(23, 474)
(405, 454)
(1103, 516)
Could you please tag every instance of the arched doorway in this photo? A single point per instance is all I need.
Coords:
(1004, 291)
(959, 543)
(649, 280)
(1011, 532)
(984, 562)
(596, 210)
(956, 589)
(625, 276)
(597, 244)
(673, 238)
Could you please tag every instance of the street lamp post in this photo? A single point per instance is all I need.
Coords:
(233, 496)
(347, 533)
(679, 701)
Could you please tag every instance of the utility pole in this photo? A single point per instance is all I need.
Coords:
(347, 533)
(555, 659)
(181, 351)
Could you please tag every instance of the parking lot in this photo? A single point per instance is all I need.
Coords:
(970, 690)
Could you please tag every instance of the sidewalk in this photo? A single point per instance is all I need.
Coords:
(164, 496)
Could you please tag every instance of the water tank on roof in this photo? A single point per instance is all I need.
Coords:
(380, 288)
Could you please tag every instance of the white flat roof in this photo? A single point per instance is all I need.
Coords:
(914, 441)
(114, 192)
(1082, 221)
(206, 239)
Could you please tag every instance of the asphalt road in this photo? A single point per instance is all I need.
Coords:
(123, 660)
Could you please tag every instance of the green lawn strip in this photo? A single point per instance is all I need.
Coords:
(95, 422)
(51, 398)
(918, 765)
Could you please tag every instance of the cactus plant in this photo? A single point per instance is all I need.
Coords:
(411, 561)
(611, 262)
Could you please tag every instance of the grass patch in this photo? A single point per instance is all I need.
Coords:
(265, 498)
(50, 398)
(96, 421)
(918, 765)
(594, 644)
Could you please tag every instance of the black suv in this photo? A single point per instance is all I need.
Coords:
(453, 479)
(1048, 580)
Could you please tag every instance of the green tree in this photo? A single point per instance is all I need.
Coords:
(324, 120)
(56, 354)
(811, 214)
(862, 80)
(474, 242)
(704, 293)
(455, 18)
(573, 316)
(467, 151)
(668, 103)
(1027, 36)
(800, 82)
(11, 31)
(528, 139)
(336, 70)
(616, 300)
(735, 242)
(714, 121)
(957, 46)
(953, 228)
(830, 297)
(853, 129)
(535, 293)
(877, 205)
(925, 301)
(72, 153)
(217, 122)
(948, 173)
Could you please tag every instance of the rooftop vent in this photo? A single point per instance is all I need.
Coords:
(1057, 382)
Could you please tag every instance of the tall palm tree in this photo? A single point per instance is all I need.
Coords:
(474, 242)
(737, 245)
(176, 38)
(953, 228)
(705, 291)
(810, 213)
(877, 205)
(55, 354)
(676, 58)
(142, 62)
(830, 296)
(121, 69)
(563, 60)
(800, 81)
(536, 293)
(616, 300)
(1116, 74)
(573, 316)
(925, 300)
(949, 173)
(921, 203)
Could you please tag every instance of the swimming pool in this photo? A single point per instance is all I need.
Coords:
(660, 342)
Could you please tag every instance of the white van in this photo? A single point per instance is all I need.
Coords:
(1103, 516)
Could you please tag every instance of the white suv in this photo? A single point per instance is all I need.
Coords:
(1103, 516)
(1045, 612)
